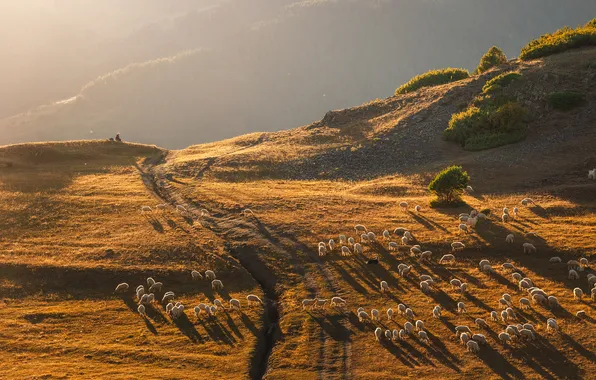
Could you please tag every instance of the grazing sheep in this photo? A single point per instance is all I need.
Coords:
(372, 237)
(393, 246)
(551, 325)
(479, 338)
(555, 259)
(472, 222)
(140, 292)
(246, 212)
(167, 297)
(463, 218)
(463, 228)
(161, 207)
(141, 310)
(505, 218)
(363, 315)
(144, 299)
(388, 334)
(150, 281)
(337, 301)
(509, 239)
(573, 275)
(343, 239)
(415, 250)
(216, 285)
(540, 299)
(401, 308)
(409, 327)
(464, 338)
(455, 283)
(358, 248)
(308, 302)
(504, 337)
(359, 310)
(527, 334)
(508, 266)
(331, 244)
(583, 262)
(399, 231)
(210, 275)
(516, 276)
(408, 235)
(196, 275)
(403, 205)
(235, 304)
(386, 235)
(529, 248)
(457, 246)
(505, 210)
(504, 316)
(462, 329)
(419, 325)
(461, 307)
(409, 313)
(322, 250)
(481, 323)
(580, 314)
(384, 287)
(473, 346)
(181, 209)
(510, 313)
(473, 213)
(424, 287)
(252, 299)
(524, 303)
(592, 174)
(425, 256)
(156, 287)
(378, 334)
(503, 303)
(469, 189)
(405, 240)
(418, 208)
(553, 302)
(573, 264)
(146, 209)
(351, 241)
(345, 251)
(527, 201)
(487, 268)
(494, 316)
(395, 335)
(374, 315)
(529, 326)
(508, 299)
(360, 228)
(405, 271)
(447, 258)
(578, 294)
(437, 312)
(364, 238)
(403, 335)
(483, 262)
(389, 314)
(423, 336)
(121, 288)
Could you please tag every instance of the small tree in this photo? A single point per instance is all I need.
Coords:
(448, 185)
(493, 57)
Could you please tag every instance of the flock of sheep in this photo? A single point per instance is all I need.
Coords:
(415, 327)
(146, 298)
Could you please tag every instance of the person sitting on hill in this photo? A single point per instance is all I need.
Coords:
(118, 137)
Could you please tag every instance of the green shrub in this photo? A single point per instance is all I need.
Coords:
(433, 78)
(493, 57)
(448, 185)
(559, 41)
(591, 23)
(565, 101)
(500, 81)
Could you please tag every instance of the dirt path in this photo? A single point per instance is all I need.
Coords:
(237, 230)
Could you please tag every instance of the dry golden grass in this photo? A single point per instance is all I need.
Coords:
(71, 231)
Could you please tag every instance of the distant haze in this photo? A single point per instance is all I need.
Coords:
(176, 73)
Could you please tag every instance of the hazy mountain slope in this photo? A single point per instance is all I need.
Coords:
(295, 64)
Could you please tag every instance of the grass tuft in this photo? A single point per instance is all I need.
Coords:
(433, 78)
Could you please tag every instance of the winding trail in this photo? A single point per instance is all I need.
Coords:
(245, 240)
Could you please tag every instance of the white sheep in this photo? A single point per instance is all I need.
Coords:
(363, 315)
(469, 189)
(343, 239)
(403, 205)
(415, 250)
(464, 338)
(409, 313)
(551, 325)
(146, 209)
(555, 259)
(401, 308)
(156, 287)
(141, 310)
(247, 212)
(515, 212)
(337, 301)
(424, 287)
(553, 302)
(463, 228)
(403, 335)
(345, 251)
(583, 262)
(529, 248)
(169, 307)
(524, 303)
(504, 337)
(505, 210)
(447, 258)
(218, 303)
(150, 281)
(463, 288)
(331, 244)
(580, 314)
(168, 296)
(573, 275)
(516, 276)
(235, 304)
(529, 326)
(322, 250)
(461, 307)
(360, 228)
(578, 294)
(364, 238)
(374, 315)
(409, 327)
(509, 239)
(457, 246)
(455, 283)
(358, 248)
(308, 302)
(393, 246)
(479, 338)
(508, 266)
(473, 346)
(527, 334)
(510, 313)
(140, 291)
(405, 240)
(494, 316)
(384, 287)
(419, 325)
(504, 316)
(386, 235)
(508, 299)
(252, 299)
(378, 333)
(437, 312)
(372, 237)
(389, 314)
(540, 299)
(481, 323)
(505, 218)
(527, 201)
(121, 288)
(388, 334)
(462, 329)
(408, 235)
(210, 275)
(418, 208)
(181, 209)
(161, 207)
(573, 264)
(395, 335)
(351, 241)
(196, 275)
(423, 336)
(217, 285)
(399, 231)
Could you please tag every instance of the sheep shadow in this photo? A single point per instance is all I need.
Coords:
(149, 325)
(539, 211)
(427, 223)
(498, 364)
(398, 353)
(549, 357)
(215, 330)
(349, 279)
(249, 324)
(578, 347)
(230, 322)
(477, 302)
(332, 326)
(188, 329)
(157, 226)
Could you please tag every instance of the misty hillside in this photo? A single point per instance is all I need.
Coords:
(185, 75)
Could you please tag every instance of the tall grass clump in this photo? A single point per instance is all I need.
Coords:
(493, 57)
(562, 40)
(433, 78)
(565, 101)
(492, 120)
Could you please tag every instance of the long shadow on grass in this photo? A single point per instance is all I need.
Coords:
(498, 364)
(188, 329)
